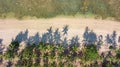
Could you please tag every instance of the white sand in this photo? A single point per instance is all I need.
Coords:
(9, 28)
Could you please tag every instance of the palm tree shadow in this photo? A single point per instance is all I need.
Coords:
(65, 30)
(92, 37)
(1, 51)
(89, 37)
(44, 38)
(114, 36)
(25, 35)
(57, 37)
(85, 35)
(65, 42)
(111, 39)
(1, 46)
(21, 36)
(119, 39)
(1, 41)
(108, 39)
(99, 41)
(34, 39)
(50, 35)
(74, 41)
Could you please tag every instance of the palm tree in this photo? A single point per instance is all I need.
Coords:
(51, 53)
(36, 55)
(42, 48)
(12, 51)
(73, 49)
(59, 51)
(45, 59)
(1, 58)
(14, 46)
(9, 64)
(90, 54)
(74, 54)
(118, 55)
(51, 58)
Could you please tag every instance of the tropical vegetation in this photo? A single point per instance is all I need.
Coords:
(49, 55)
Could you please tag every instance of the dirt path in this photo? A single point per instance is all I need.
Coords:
(10, 28)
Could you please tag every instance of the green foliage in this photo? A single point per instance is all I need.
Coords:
(74, 48)
(90, 53)
(28, 52)
(118, 54)
(57, 55)
(14, 45)
(111, 47)
(60, 49)
(42, 47)
(9, 54)
(12, 50)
